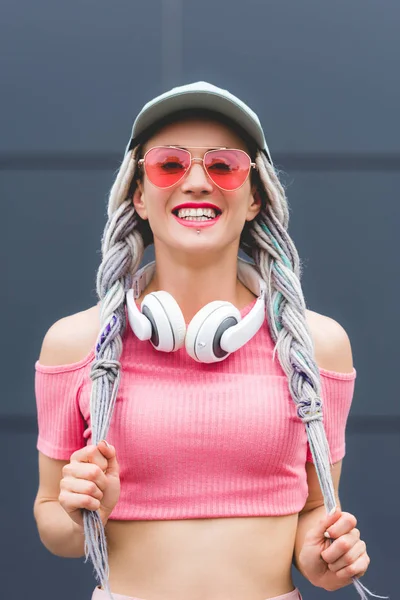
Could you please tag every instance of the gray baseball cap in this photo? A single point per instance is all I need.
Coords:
(201, 95)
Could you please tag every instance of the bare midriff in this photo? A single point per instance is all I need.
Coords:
(196, 559)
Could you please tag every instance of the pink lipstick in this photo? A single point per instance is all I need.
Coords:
(188, 222)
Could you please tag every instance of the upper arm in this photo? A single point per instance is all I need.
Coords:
(332, 352)
(50, 475)
(71, 338)
(58, 381)
(332, 347)
(315, 497)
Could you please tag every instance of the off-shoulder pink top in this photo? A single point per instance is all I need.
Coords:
(196, 440)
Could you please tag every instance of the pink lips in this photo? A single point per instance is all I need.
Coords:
(197, 224)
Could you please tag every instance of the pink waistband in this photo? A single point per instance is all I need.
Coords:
(100, 594)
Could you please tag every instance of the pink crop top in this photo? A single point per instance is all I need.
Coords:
(196, 440)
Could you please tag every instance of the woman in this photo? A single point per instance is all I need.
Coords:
(217, 473)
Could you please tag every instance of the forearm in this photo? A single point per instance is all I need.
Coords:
(307, 521)
(57, 531)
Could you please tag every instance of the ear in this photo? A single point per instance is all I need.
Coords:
(255, 206)
(138, 200)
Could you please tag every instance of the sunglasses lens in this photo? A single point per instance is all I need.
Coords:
(227, 168)
(166, 166)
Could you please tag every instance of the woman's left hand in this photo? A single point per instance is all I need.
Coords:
(332, 565)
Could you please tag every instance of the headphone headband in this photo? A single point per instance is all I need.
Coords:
(213, 333)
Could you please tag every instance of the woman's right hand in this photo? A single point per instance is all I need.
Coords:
(90, 480)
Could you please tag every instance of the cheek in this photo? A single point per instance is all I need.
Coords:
(238, 205)
(155, 204)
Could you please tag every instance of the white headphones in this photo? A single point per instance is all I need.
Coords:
(214, 332)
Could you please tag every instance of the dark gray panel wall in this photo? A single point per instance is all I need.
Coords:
(65, 66)
(323, 78)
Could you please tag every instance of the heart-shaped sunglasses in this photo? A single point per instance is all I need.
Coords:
(228, 168)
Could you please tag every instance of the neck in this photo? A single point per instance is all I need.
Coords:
(196, 280)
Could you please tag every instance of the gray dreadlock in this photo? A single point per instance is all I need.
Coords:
(276, 258)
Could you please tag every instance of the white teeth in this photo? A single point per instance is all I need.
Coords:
(197, 212)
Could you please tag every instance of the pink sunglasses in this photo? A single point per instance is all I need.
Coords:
(228, 168)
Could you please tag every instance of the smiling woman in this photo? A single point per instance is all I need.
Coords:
(218, 454)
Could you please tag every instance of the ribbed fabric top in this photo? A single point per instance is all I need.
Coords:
(196, 440)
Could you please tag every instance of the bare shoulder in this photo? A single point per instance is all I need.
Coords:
(71, 338)
(332, 345)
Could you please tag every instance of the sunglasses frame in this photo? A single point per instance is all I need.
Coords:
(252, 165)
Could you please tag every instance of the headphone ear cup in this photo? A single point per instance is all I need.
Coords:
(205, 330)
(167, 321)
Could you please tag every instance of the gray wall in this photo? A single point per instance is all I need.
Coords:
(323, 78)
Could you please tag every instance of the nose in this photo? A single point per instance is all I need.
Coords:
(196, 179)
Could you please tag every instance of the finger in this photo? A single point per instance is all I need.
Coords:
(90, 454)
(339, 548)
(109, 452)
(81, 486)
(349, 558)
(357, 569)
(71, 501)
(88, 472)
(315, 534)
(346, 523)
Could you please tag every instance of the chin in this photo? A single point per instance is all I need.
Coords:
(188, 242)
(200, 247)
